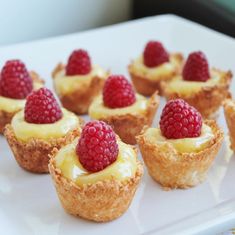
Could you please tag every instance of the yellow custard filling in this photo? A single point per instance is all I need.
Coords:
(180, 86)
(25, 131)
(98, 110)
(13, 105)
(67, 84)
(185, 145)
(156, 73)
(37, 85)
(122, 169)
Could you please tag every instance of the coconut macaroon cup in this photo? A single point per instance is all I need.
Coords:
(15, 84)
(42, 126)
(96, 176)
(154, 66)
(124, 110)
(180, 152)
(201, 87)
(229, 113)
(78, 82)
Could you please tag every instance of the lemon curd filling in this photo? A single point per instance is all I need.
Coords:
(66, 84)
(25, 131)
(122, 169)
(184, 145)
(180, 86)
(37, 85)
(13, 105)
(155, 73)
(98, 110)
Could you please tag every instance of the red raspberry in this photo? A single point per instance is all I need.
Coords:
(97, 147)
(41, 107)
(180, 120)
(15, 81)
(79, 63)
(196, 67)
(155, 54)
(118, 92)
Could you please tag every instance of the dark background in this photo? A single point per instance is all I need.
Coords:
(216, 14)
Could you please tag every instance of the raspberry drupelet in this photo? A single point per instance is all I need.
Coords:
(155, 54)
(118, 92)
(15, 81)
(180, 120)
(79, 63)
(41, 107)
(97, 147)
(196, 67)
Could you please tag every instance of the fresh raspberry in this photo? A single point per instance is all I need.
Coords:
(196, 67)
(97, 147)
(79, 63)
(15, 81)
(180, 120)
(155, 54)
(118, 92)
(41, 107)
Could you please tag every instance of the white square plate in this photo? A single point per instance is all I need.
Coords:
(28, 202)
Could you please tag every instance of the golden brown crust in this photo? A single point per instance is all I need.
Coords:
(102, 201)
(208, 100)
(128, 126)
(179, 170)
(80, 99)
(36, 78)
(5, 117)
(146, 86)
(33, 155)
(229, 113)
(59, 67)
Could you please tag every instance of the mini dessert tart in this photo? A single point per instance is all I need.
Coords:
(179, 154)
(79, 82)
(97, 175)
(201, 88)
(154, 66)
(124, 110)
(15, 84)
(229, 113)
(40, 127)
